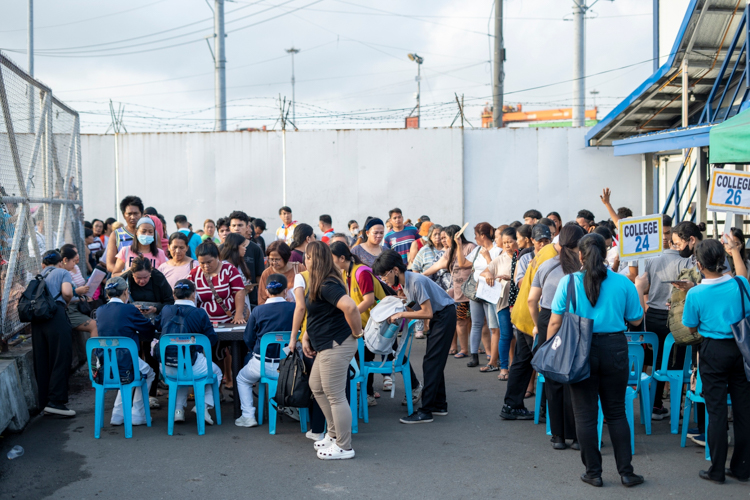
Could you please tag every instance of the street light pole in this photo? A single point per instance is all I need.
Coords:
(220, 65)
(293, 51)
(497, 77)
(419, 60)
(579, 61)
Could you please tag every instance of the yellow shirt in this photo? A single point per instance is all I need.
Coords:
(520, 316)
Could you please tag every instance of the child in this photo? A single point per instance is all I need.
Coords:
(273, 316)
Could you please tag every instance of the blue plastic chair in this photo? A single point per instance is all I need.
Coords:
(271, 382)
(676, 380)
(111, 380)
(399, 365)
(353, 399)
(648, 387)
(692, 398)
(185, 377)
(635, 369)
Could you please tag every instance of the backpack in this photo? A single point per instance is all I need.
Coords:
(292, 389)
(379, 334)
(681, 333)
(36, 304)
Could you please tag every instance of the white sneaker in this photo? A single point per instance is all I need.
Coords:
(179, 415)
(325, 442)
(314, 436)
(335, 453)
(207, 416)
(416, 395)
(387, 383)
(153, 403)
(246, 422)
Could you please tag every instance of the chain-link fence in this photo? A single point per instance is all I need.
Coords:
(40, 184)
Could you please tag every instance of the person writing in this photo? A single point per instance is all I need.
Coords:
(219, 289)
(608, 299)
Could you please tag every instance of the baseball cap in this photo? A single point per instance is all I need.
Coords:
(540, 232)
(424, 228)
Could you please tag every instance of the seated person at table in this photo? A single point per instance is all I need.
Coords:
(274, 316)
(117, 318)
(185, 317)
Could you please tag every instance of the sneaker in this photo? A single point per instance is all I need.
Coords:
(442, 412)
(509, 413)
(179, 415)
(416, 395)
(371, 401)
(693, 432)
(333, 452)
(325, 442)
(700, 439)
(315, 436)
(245, 422)
(153, 403)
(659, 413)
(418, 417)
(206, 416)
(56, 409)
(387, 383)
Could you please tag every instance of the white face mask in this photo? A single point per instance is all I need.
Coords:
(354, 232)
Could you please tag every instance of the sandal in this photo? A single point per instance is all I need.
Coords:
(481, 351)
(503, 376)
(529, 394)
(452, 352)
(489, 368)
(460, 355)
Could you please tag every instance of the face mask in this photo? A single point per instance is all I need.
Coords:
(354, 232)
(686, 252)
(145, 239)
(395, 279)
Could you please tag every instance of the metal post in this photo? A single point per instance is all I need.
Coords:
(293, 51)
(685, 96)
(647, 179)
(655, 18)
(579, 84)
(498, 76)
(702, 186)
(117, 174)
(30, 55)
(220, 67)
(419, 93)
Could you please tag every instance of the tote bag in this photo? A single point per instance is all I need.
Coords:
(564, 358)
(741, 330)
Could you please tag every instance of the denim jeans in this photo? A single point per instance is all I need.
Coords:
(506, 336)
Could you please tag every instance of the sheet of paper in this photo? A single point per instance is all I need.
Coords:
(488, 293)
(94, 281)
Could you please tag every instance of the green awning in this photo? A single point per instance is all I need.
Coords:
(729, 142)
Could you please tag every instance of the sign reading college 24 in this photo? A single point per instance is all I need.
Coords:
(729, 191)
(641, 237)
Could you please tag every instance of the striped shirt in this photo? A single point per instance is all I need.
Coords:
(401, 241)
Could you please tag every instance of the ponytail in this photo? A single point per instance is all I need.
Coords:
(339, 249)
(593, 250)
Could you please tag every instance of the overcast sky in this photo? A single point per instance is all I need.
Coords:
(352, 70)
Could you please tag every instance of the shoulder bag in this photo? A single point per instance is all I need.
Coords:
(564, 358)
(741, 330)
(469, 287)
(217, 299)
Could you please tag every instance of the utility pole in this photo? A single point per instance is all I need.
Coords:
(220, 66)
(498, 76)
(419, 60)
(294, 101)
(579, 62)
(655, 17)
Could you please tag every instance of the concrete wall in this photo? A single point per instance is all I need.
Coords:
(449, 174)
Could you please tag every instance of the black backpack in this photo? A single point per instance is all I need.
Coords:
(36, 304)
(293, 390)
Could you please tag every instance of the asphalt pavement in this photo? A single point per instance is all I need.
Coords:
(471, 453)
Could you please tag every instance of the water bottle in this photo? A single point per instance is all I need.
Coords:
(15, 452)
(392, 330)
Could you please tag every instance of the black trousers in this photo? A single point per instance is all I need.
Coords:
(317, 419)
(53, 352)
(520, 371)
(561, 419)
(656, 321)
(442, 328)
(608, 381)
(369, 356)
(721, 369)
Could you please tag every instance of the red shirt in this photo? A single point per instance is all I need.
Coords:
(227, 283)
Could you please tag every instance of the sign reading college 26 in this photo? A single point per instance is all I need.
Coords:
(729, 191)
(640, 237)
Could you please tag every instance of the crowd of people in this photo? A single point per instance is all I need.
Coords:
(323, 287)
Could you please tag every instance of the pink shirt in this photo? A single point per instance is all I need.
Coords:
(177, 273)
(127, 257)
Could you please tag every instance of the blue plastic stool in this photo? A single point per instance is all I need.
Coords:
(185, 377)
(635, 367)
(399, 365)
(647, 381)
(111, 380)
(676, 380)
(353, 381)
(266, 381)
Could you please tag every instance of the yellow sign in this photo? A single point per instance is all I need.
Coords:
(729, 191)
(641, 237)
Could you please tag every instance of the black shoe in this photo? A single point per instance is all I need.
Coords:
(418, 417)
(509, 413)
(704, 475)
(57, 409)
(629, 480)
(474, 361)
(575, 446)
(728, 472)
(442, 412)
(558, 443)
(593, 481)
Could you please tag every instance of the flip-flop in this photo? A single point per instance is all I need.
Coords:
(529, 394)
(452, 352)
(461, 355)
(503, 377)
(489, 368)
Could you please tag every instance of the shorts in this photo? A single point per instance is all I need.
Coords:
(75, 316)
(462, 310)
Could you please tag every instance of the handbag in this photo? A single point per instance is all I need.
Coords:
(293, 389)
(469, 287)
(564, 358)
(741, 330)
(217, 299)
